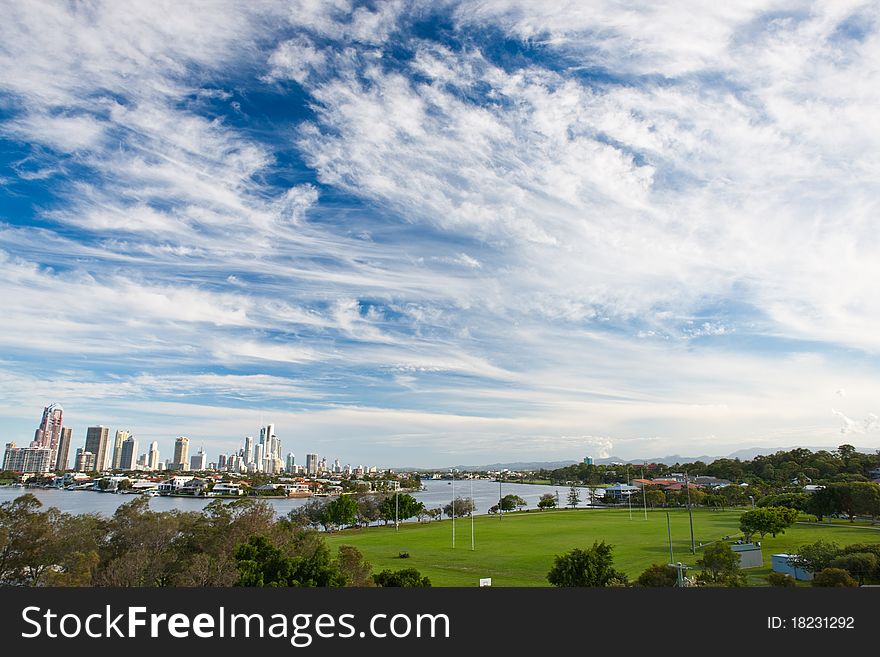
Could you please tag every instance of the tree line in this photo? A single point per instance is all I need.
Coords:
(236, 543)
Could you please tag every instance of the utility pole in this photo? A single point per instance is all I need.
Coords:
(690, 513)
(499, 497)
(396, 512)
(629, 497)
(472, 512)
(644, 498)
(453, 508)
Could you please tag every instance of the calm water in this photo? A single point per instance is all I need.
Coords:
(436, 494)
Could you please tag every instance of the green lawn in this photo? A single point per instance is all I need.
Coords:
(518, 549)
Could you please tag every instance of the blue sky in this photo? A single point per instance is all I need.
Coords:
(424, 233)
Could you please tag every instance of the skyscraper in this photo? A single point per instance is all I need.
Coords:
(26, 459)
(96, 443)
(312, 464)
(153, 456)
(84, 461)
(49, 432)
(128, 453)
(63, 449)
(181, 453)
(199, 461)
(248, 449)
(121, 437)
(291, 462)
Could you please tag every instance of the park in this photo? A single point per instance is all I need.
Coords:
(517, 549)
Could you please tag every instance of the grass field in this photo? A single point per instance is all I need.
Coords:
(518, 549)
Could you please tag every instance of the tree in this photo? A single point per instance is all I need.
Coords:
(820, 504)
(406, 578)
(547, 501)
(814, 557)
(574, 496)
(400, 506)
(463, 506)
(511, 502)
(262, 564)
(854, 498)
(720, 566)
(767, 520)
(658, 575)
(591, 567)
(354, 568)
(861, 565)
(791, 500)
(654, 497)
(836, 577)
(369, 509)
(781, 579)
(312, 513)
(340, 512)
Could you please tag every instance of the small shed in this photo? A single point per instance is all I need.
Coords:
(750, 555)
(782, 564)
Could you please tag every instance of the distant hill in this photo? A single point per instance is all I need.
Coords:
(741, 454)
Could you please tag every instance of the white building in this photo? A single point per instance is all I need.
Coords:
(27, 460)
(174, 485)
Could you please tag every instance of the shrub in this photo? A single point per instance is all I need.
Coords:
(780, 579)
(834, 577)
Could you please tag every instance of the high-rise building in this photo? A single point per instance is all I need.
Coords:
(291, 462)
(27, 460)
(128, 453)
(121, 437)
(199, 461)
(181, 453)
(153, 456)
(63, 449)
(84, 461)
(221, 462)
(258, 458)
(96, 443)
(588, 460)
(142, 461)
(49, 432)
(248, 449)
(312, 464)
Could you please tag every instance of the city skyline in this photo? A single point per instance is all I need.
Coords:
(419, 233)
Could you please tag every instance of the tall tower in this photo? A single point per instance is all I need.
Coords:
(153, 456)
(199, 462)
(121, 437)
(128, 453)
(248, 449)
(63, 449)
(49, 432)
(181, 453)
(96, 443)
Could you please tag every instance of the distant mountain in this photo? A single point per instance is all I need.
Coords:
(519, 465)
(741, 454)
(746, 454)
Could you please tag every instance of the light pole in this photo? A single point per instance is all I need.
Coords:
(690, 513)
(453, 508)
(499, 497)
(472, 512)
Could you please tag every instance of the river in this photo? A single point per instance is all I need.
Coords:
(437, 493)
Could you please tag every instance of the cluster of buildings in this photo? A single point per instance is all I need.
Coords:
(49, 451)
